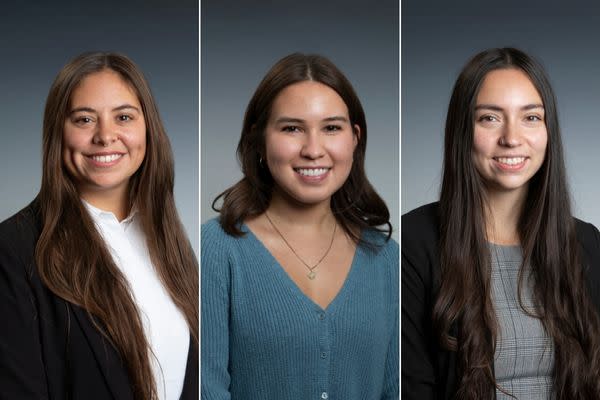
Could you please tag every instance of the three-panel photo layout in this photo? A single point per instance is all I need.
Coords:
(190, 209)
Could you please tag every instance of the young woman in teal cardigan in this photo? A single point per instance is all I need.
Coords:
(299, 287)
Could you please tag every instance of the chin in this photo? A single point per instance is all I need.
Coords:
(509, 187)
(306, 196)
(103, 185)
(309, 200)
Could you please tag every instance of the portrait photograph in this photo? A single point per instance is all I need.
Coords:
(500, 251)
(299, 257)
(99, 230)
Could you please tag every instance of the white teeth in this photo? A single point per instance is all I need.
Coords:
(311, 171)
(107, 159)
(511, 160)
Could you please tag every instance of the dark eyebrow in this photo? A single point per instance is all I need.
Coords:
(125, 107)
(532, 106)
(494, 107)
(289, 120)
(336, 118)
(82, 109)
(91, 110)
(301, 121)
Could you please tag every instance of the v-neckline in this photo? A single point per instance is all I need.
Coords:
(287, 280)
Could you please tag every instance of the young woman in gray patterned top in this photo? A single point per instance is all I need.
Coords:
(500, 282)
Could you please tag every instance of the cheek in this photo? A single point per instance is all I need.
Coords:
(343, 149)
(280, 151)
(539, 141)
(481, 144)
(140, 154)
(73, 144)
(71, 151)
(141, 146)
(70, 138)
(135, 141)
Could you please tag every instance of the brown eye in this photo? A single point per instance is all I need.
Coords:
(488, 118)
(83, 120)
(290, 128)
(332, 128)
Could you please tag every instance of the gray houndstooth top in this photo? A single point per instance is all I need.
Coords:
(524, 355)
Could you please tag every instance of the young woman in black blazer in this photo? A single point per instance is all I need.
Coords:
(91, 313)
(500, 284)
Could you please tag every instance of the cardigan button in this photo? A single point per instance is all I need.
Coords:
(324, 395)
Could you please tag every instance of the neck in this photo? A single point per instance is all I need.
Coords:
(300, 215)
(503, 215)
(114, 201)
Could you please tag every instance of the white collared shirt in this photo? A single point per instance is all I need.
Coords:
(164, 325)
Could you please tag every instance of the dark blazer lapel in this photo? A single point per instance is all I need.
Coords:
(110, 363)
(191, 381)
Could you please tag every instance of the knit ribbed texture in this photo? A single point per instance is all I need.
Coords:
(262, 338)
(524, 352)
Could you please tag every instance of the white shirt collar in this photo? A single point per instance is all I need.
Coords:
(102, 215)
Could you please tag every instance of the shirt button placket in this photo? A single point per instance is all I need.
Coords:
(324, 359)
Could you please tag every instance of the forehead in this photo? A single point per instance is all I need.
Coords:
(308, 99)
(508, 87)
(105, 87)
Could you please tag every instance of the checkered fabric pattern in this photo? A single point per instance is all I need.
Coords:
(524, 355)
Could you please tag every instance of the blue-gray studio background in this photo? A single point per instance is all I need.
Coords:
(241, 40)
(38, 37)
(437, 40)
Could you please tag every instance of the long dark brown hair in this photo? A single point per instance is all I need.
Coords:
(356, 205)
(463, 314)
(72, 258)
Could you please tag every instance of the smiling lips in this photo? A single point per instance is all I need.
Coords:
(104, 160)
(510, 163)
(312, 174)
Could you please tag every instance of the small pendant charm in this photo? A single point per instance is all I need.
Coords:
(311, 275)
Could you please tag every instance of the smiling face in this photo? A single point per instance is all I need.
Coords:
(309, 142)
(104, 137)
(510, 135)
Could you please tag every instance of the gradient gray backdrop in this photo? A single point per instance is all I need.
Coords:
(36, 40)
(438, 39)
(241, 40)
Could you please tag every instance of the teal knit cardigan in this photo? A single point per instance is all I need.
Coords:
(262, 338)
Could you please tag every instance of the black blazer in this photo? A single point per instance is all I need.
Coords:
(429, 372)
(49, 348)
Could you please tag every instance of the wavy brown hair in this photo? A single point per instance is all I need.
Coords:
(356, 205)
(72, 258)
(463, 315)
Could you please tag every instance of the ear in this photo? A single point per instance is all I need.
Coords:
(357, 133)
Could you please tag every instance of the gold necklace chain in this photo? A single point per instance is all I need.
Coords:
(311, 274)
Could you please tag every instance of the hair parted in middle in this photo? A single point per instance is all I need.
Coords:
(463, 316)
(355, 205)
(72, 258)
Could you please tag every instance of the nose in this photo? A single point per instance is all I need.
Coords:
(106, 133)
(312, 147)
(511, 136)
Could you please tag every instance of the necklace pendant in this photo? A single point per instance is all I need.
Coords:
(311, 275)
